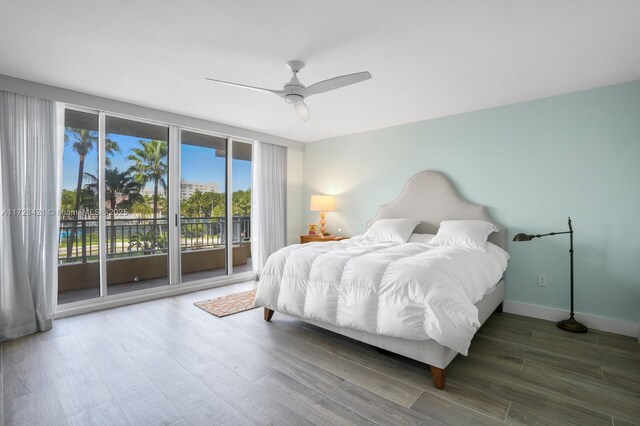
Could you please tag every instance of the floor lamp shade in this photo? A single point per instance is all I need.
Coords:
(323, 204)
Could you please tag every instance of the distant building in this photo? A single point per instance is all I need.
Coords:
(187, 188)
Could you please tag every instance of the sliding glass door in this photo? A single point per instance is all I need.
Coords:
(136, 194)
(241, 168)
(79, 237)
(116, 233)
(203, 206)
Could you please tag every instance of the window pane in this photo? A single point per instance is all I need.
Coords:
(136, 193)
(78, 243)
(202, 206)
(241, 173)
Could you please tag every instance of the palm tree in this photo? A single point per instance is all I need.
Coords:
(142, 208)
(121, 191)
(242, 202)
(83, 144)
(150, 165)
(84, 141)
(163, 205)
(199, 203)
(88, 200)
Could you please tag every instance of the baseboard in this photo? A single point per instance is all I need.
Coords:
(626, 328)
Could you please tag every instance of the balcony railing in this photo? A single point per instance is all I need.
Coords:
(78, 239)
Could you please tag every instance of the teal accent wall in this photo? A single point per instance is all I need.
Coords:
(533, 164)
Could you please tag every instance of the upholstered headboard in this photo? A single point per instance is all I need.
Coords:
(430, 197)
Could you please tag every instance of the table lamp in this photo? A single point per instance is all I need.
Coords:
(569, 324)
(323, 204)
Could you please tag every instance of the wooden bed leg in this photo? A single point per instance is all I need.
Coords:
(499, 308)
(268, 313)
(438, 376)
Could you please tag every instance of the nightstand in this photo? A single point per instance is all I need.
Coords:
(318, 239)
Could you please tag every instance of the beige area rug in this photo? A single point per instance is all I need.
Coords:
(228, 305)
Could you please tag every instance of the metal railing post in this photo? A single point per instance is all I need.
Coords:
(84, 241)
(198, 233)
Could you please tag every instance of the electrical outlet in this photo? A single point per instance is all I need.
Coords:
(542, 280)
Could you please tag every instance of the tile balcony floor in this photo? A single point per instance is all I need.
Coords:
(91, 293)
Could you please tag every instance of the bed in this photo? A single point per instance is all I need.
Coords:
(428, 197)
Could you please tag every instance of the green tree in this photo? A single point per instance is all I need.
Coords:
(88, 200)
(213, 204)
(142, 207)
(143, 241)
(242, 203)
(83, 141)
(150, 165)
(163, 205)
(68, 201)
(198, 204)
(121, 192)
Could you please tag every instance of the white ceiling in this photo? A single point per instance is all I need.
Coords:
(428, 58)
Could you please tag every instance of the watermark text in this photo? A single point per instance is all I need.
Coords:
(64, 212)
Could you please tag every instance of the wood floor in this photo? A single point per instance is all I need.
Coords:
(168, 362)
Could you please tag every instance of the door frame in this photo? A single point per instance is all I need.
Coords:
(174, 275)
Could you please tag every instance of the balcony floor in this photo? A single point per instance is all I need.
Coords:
(92, 293)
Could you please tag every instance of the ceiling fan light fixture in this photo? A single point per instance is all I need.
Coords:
(294, 92)
(303, 110)
(293, 98)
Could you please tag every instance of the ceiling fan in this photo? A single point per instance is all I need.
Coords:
(295, 92)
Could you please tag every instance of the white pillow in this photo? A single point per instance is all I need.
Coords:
(394, 230)
(471, 234)
(421, 238)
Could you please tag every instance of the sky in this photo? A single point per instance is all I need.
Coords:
(198, 164)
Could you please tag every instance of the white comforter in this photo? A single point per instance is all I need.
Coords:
(412, 291)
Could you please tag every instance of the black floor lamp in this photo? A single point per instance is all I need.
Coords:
(569, 324)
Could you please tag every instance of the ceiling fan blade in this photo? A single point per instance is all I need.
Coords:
(303, 110)
(336, 83)
(244, 86)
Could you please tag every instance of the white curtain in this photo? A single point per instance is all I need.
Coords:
(30, 165)
(268, 202)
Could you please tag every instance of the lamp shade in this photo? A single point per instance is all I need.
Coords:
(522, 237)
(325, 203)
